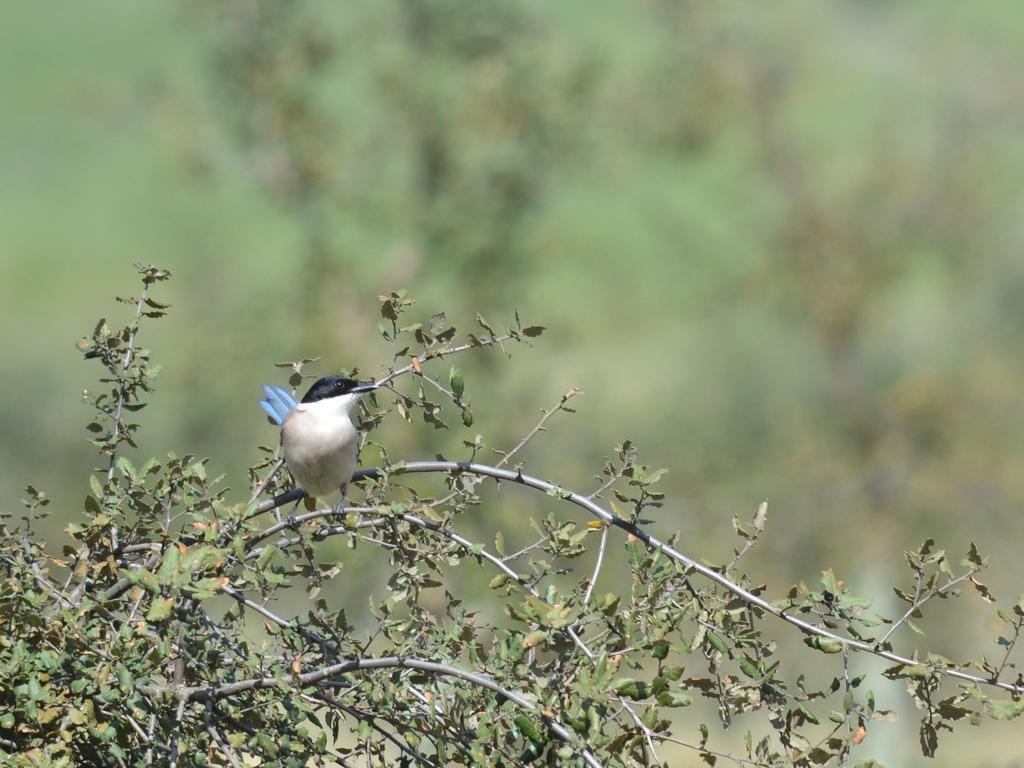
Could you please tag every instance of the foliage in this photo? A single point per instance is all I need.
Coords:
(167, 631)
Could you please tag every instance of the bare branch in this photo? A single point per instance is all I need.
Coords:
(440, 353)
(559, 406)
(221, 744)
(271, 472)
(182, 701)
(597, 565)
(920, 600)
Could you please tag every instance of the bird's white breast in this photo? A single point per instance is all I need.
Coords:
(320, 446)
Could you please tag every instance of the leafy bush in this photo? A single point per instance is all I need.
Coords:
(157, 635)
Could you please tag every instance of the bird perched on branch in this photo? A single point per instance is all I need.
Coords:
(320, 441)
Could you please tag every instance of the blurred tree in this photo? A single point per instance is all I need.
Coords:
(468, 112)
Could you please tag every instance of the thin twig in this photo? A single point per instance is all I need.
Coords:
(122, 585)
(520, 552)
(174, 732)
(713, 753)
(136, 727)
(749, 541)
(262, 486)
(1009, 647)
(122, 396)
(920, 601)
(221, 744)
(597, 565)
(148, 757)
(560, 406)
(266, 613)
(440, 353)
(326, 701)
(437, 385)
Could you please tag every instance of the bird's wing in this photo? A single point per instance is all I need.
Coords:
(277, 401)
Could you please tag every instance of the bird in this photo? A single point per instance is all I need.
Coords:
(321, 444)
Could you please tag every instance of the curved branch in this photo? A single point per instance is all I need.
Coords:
(206, 693)
(653, 542)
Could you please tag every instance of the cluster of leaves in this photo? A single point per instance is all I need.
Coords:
(168, 631)
(129, 373)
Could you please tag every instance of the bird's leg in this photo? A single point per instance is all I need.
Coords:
(292, 521)
(339, 508)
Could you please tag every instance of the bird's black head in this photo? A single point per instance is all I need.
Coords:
(335, 386)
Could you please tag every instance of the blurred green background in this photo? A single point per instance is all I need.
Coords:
(777, 245)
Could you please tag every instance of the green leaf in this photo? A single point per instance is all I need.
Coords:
(267, 555)
(974, 558)
(205, 588)
(268, 745)
(528, 729)
(808, 715)
(608, 603)
(532, 753)
(761, 517)
(457, 384)
(533, 330)
(160, 609)
(674, 699)
(829, 582)
(145, 579)
(673, 673)
(169, 566)
(535, 638)
(152, 466)
(125, 465)
(365, 730)
(124, 677)
(438, 322)
(717, 643)
(631, 688)
(1006, 709)
(655, 476)
(929, 739)
(485, 325)
(824, 644)
(498, 581)
(901, 671)
(659, 649)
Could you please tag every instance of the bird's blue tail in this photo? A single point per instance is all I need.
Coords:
(277, 401)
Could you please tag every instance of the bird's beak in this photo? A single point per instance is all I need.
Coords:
(367, 387)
